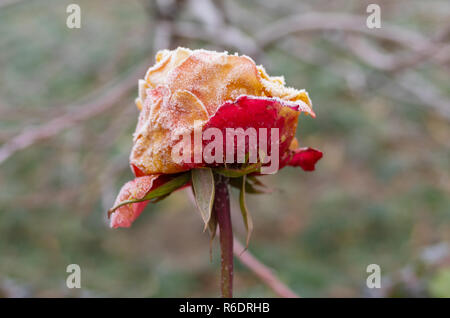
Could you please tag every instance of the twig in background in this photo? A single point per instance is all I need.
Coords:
(313, 22)
(215, 28)
(262, 271)
(406, 78)
(435, 49)
(424, 49)
(395, 63)
(106, 98)
(227, 36)
(6, 3)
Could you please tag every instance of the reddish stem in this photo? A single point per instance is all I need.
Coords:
(222, 211)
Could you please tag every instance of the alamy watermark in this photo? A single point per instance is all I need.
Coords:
(74, 278)
(374, 19)
(212, 146)
(74, 18)
(374, 279)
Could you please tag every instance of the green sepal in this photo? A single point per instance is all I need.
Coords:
(159, 193)
(203, 186)
(236, 173)
(248, 222)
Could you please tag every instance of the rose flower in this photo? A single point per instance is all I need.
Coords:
(188, 87)
(191, 93)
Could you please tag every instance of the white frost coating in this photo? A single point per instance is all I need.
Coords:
(166, 55)
(269, 82)
(186, 85)
(297, 105)
(142, 87)
(293, 104)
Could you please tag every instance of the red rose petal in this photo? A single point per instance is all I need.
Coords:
(125, 215)
(259, 112)
(306, 158)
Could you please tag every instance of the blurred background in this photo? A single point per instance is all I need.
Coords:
(381, 194)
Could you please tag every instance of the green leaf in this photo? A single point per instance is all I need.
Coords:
(159, 193)
(168, 187)
(248, 222)
(203, 185)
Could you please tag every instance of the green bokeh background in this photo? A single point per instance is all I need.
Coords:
(380, 194)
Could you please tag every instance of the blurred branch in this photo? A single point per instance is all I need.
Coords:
(410, 88)
(439, 52)
(6, 3)
(435, 50)
(412, 82)
(313, 22)
(424, 91)
(164, 13)
(106, 98)
(262, 271)
(208, 12)
(227, 36)
(215, 28)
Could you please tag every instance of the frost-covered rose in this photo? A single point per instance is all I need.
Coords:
(195, 90)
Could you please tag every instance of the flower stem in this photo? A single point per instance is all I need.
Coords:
(222, 211)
